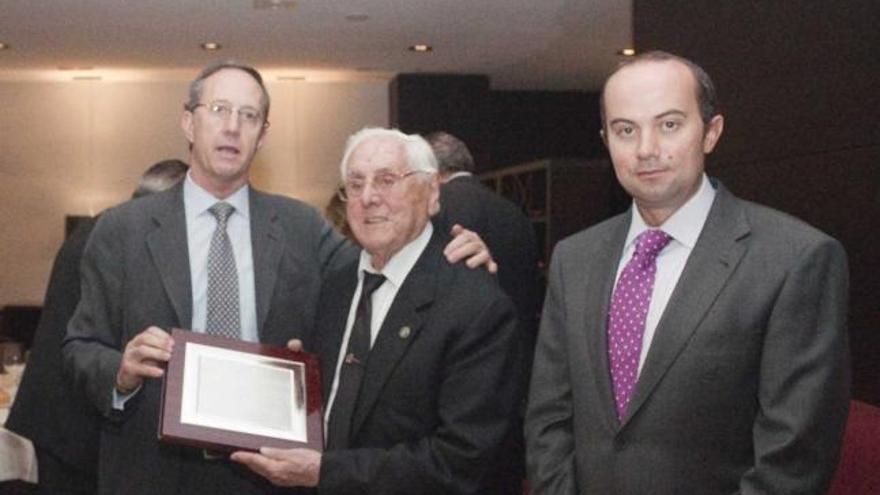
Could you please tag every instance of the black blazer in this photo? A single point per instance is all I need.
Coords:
(438, 396)
(135, 274)
(46, 410)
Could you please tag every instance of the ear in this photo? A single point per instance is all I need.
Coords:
(186, 123)
(434, 196)
(263, 131)
(604, 137)
(713, 133)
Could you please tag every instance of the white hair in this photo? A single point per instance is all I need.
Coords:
(419, 155)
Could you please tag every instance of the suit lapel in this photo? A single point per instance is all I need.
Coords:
(167, 244)
(267, 241)
(604, 268)
(714, 258)
(333, 312)
(407, 311)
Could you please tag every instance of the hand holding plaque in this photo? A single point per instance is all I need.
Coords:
(226, 395)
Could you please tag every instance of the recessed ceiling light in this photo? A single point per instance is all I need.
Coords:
(357, 17)
(421, 48)
(211, 46)
(3, 46)
(291, 78)
(274, 4)
(627, 52)
(75, 67)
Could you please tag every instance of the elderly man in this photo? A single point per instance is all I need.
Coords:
(213, 255)
(697, 343)
(416, 353)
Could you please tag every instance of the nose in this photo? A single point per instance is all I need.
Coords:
(648, 147)
(232, 123)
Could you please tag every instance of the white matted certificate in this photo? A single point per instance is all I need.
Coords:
(224, 394)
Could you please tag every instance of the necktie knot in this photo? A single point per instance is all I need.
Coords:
(372, 281)
(650, 242)
(221, 211)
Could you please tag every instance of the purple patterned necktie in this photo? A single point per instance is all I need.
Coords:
(626, 319)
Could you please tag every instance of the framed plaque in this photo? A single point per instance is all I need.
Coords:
(224, 395)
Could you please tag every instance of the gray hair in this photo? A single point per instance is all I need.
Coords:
(452, 154)
(197, 85)
(707, 98)
(160, 176)
(418, 152)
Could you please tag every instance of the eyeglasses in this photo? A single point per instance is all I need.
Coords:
(383, 183)
(222, 110)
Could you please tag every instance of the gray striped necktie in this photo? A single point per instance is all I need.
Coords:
(223, 312)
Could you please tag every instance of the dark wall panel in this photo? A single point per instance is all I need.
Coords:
(798, 83)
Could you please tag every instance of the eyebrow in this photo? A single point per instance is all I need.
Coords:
(656, 117)
(669, 113)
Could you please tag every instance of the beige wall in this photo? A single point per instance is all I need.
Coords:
(77, 147)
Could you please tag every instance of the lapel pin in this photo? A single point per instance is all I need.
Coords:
(404, 332)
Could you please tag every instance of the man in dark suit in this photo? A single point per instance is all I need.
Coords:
(417, 377)
(62, 424)
(697, 343)
(211, 254)
(502, 225)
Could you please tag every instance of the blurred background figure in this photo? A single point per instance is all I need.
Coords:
(510, 236)
(62, 425)
(334, 212)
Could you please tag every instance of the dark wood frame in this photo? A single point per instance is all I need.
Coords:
(171, 429)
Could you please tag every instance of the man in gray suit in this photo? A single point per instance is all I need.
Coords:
(211, 254)
(697, 343)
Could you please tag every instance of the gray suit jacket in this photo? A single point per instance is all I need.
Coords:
(135, 273)
(744, 389)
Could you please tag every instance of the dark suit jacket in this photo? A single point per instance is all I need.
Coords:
(135, 274)
(746, 383)
(46, 409)
(437, 399)
(506, 231)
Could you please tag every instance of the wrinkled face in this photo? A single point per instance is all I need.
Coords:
(223, 146)
(655, 135)
(384, 222)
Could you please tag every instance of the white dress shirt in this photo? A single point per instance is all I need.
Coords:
(200, 226)
(395, 271)
(684, 226)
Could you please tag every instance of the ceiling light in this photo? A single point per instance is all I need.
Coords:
(211, 46)
(627, 52)
(274, 4)
(75, 67)
(3, 46)
(421, 48)
(291, 78)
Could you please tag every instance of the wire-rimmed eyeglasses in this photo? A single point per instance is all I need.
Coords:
(382, 182)
(223, 110)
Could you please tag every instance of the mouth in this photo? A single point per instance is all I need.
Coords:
(650, 173)
(374, 220)
(228, 150)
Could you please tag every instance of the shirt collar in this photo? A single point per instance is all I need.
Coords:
(197, 200)
(399, 266)
(459, 174)
(685, 224)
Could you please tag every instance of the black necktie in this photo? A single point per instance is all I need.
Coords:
(353, 366)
